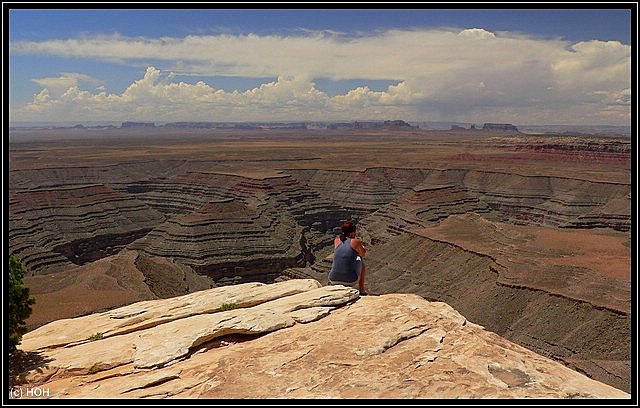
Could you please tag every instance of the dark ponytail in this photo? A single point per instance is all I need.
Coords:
(347, 228)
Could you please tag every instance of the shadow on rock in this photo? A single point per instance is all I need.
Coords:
(22, 363)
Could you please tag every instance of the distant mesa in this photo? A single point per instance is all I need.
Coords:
(387, 124)
(458, 127)
(569, 130)
(492, 127)
(237, 126)
(209, 125)
(138, 125)
(368, 125)
(501, 127)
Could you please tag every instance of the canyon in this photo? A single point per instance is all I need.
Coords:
(528, 236)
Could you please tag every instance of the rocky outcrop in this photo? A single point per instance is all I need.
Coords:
(294, 339)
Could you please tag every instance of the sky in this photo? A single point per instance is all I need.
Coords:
(477, 65)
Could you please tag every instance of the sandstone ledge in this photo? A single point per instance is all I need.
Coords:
(292, 339)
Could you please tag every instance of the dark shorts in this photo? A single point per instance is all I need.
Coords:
(354, 284)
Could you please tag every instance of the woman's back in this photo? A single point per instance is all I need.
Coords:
(344, 260)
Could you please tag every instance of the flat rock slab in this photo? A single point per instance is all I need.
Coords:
(150, 313)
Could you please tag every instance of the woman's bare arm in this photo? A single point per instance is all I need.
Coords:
(357, 245)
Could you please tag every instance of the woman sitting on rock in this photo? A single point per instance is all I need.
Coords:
(348, 267)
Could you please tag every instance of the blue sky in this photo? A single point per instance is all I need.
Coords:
(538, 66)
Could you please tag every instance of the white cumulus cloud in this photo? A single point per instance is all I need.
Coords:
(466, 75)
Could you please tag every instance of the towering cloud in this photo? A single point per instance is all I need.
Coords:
(469, 74)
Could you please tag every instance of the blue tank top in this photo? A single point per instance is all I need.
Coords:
(344, 263)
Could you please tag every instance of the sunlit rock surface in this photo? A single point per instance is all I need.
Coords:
(293, 339)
